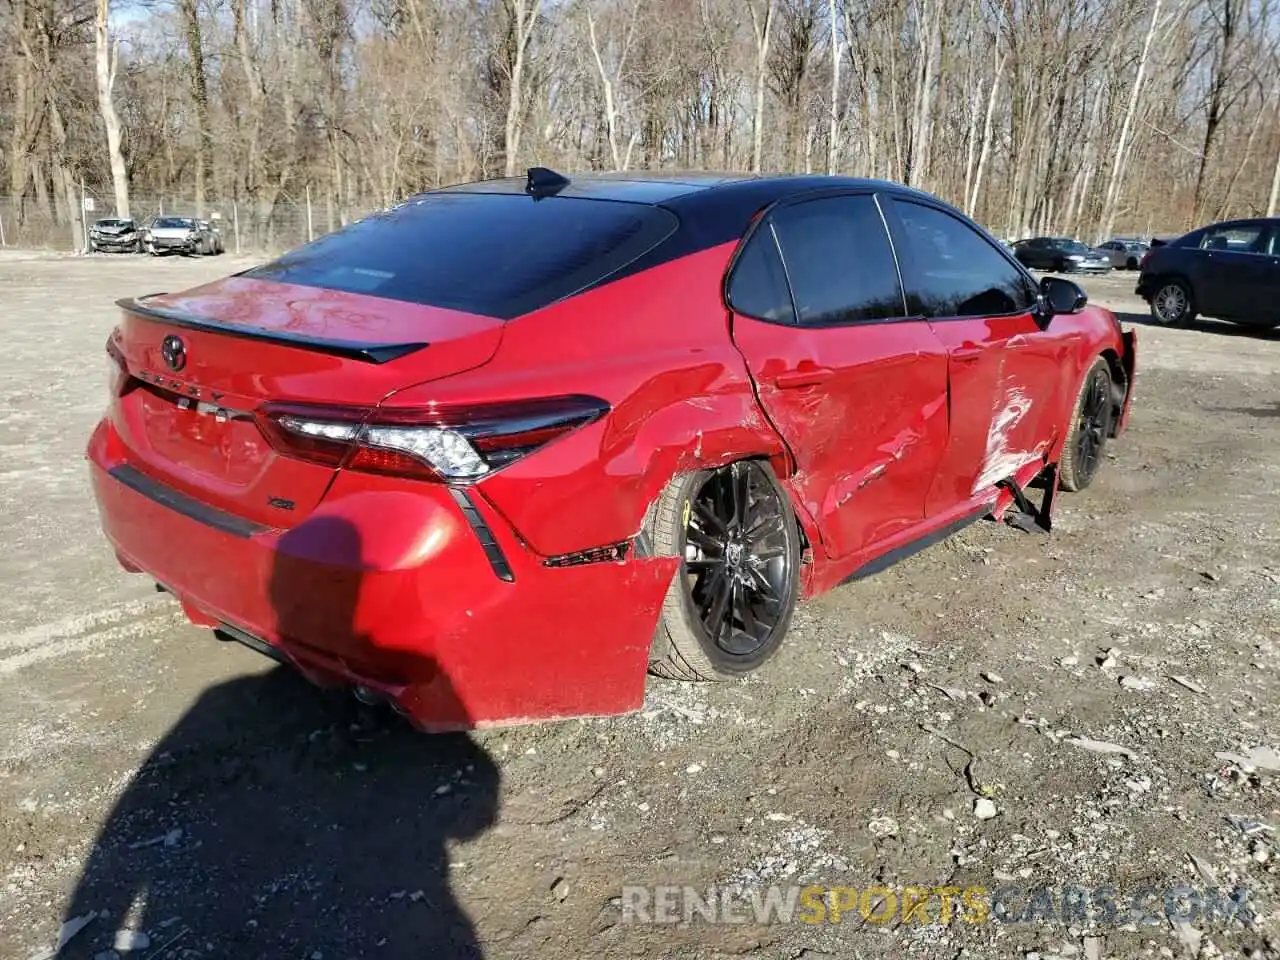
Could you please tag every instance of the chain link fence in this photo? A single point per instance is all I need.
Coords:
(246, 227)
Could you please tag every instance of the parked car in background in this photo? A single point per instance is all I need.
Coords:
(213, 235)
(1125, 253)
(169, 234)
(1060, 255)
(374, 459)
(114, 235)
(1228, 270)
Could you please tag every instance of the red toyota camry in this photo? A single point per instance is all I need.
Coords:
(490, 455)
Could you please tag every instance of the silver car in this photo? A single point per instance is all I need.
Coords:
(1125, 253)
(165, 234)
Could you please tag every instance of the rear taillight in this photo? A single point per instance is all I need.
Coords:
(453, 443)
(117, 367)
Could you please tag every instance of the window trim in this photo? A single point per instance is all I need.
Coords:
(1033, 288)
(1267, 231)
(765, 219)
(761, 222)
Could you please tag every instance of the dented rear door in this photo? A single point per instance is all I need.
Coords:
(856, 388)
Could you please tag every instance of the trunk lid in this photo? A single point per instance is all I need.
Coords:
(202, 362)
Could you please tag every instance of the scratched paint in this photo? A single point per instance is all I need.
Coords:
(1000, 460)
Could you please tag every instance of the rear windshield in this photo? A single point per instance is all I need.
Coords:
(498, 255)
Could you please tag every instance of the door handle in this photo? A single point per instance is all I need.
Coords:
(804, 377)
(966, 356)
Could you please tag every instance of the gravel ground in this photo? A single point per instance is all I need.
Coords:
(936, 725)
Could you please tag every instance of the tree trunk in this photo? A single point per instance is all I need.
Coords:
(762, 31)
(1117, 163)
(254, 174)
(107, 59)
(985, 152)
(524, 15)
(200, 94)
(1275, 178)
(833, 143)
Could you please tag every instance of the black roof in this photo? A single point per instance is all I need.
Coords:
(657, 186)
(713, 207)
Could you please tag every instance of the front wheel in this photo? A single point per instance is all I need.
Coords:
(1090, 426)
(730, 603)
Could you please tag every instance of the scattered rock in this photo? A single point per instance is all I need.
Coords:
(1092, 948)
(443, 789)
(1256, 758)
(73, 927)
(953, 693)
(1068, 661)
(992, 677)
(1247, 827)
(1100, 746)
(1189, 684)
(883, 827)
(560, 889)
(693, 768)
(1188, 936)
(1138, 684)
(984, 809)
(1210, 576)
(129, 940)
(1203, 870)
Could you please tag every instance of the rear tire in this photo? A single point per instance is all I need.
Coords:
(1131, 264)
(1091, 420)
(1172, 305)
(730, 603)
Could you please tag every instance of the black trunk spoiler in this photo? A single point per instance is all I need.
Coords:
(349, 349)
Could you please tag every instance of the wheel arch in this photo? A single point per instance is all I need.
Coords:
(783, 468)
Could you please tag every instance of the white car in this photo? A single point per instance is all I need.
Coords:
(176, 234)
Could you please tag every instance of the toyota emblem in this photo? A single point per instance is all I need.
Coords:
(174, 352)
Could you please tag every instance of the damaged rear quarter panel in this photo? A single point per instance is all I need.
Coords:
(656, 347)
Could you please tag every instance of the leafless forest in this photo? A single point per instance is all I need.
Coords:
(1088, 117)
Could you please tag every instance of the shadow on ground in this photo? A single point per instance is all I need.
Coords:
(1205, 325)
(277, 820)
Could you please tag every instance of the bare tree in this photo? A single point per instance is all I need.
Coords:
(1122, 141)
(762, 23)
(522, 16)
(107, 60)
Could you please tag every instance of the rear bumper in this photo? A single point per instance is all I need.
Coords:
(389, 585)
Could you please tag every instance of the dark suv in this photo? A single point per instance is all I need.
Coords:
(1228, 270)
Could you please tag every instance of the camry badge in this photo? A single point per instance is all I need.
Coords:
(174, 352)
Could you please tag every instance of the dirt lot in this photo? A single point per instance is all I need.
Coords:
(197, 802)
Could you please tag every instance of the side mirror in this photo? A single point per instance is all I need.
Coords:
(1062, 296)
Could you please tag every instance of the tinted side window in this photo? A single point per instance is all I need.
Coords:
(1241, 238)
(954, 271)
(839, 260)
(758, 286)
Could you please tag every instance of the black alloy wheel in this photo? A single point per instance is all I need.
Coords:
(730, 603)
(739, 572)
(1094, 414)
